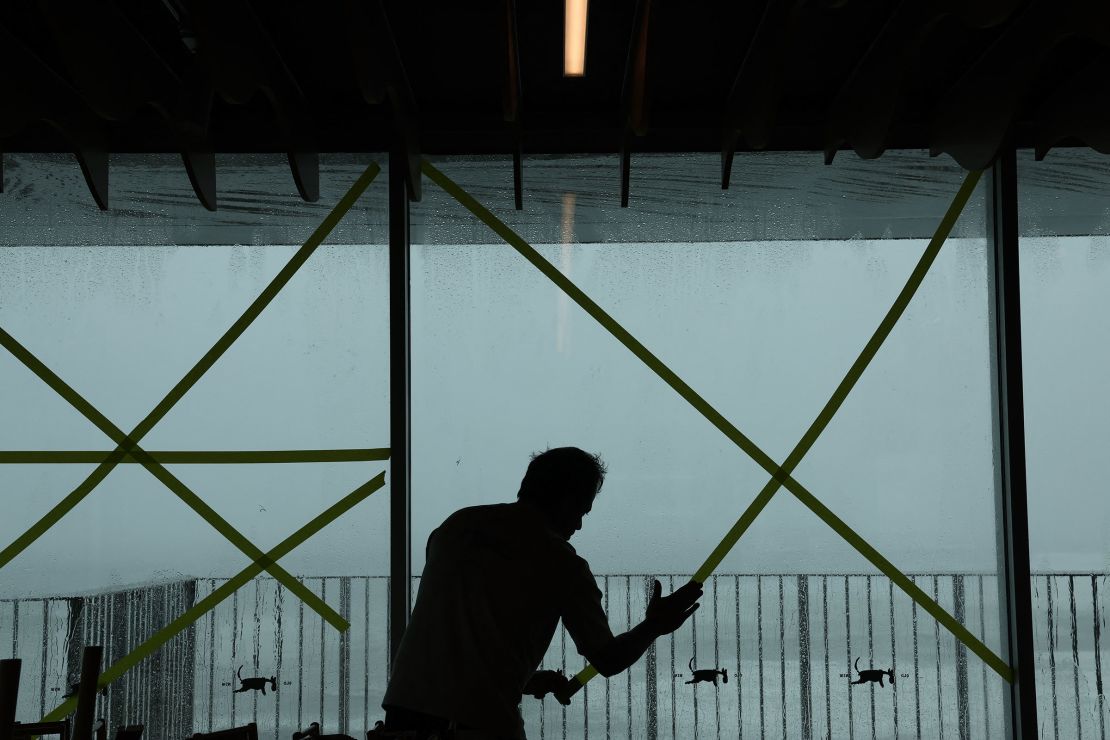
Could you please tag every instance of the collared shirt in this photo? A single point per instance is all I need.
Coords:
(495, 585)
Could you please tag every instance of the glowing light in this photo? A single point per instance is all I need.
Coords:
(574, 38)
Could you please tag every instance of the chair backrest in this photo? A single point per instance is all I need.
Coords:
(9, 694)
(34, 729)
(246, 732)
(129, 732)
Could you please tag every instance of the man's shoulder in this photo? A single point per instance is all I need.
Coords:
(513, 518)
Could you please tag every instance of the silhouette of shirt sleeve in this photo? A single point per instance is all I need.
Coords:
(581, 610)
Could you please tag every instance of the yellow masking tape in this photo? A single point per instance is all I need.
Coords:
(196, 457)
(128, 444)
(196, 503)
(722, 424)
(209, 602)
(870, 349)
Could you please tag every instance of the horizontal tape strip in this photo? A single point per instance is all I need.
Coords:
(197, 457)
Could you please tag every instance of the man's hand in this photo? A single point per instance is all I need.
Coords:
(543, 683)
(665, 614)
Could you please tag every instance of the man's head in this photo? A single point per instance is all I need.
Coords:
(562, 483)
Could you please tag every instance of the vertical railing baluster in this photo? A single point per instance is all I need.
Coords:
(759, 641)
(300, 661)
(1052, 657)
(257, 644)
(563, 659)
(211, 617)
(848, 650)
(345, 657)
(782, 654)
(279, 643)
(323, 653)
(893, 656)
(694, 687)
(983, 664)
(628, 673)
(825, 638)
(1098, 656)
(1075, 657)
(651, 699)
(804, 670)
(871, 653)
(936, 639)
(739, 670)
(716, 657)
(674, 704)
(608, 713)
(960, 613)
(916, 669)
(366, 654)
(234, 645)
(42, 673)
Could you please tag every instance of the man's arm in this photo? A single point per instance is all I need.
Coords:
(664, 615)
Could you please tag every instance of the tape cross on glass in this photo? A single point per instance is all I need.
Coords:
(128, 444)
(209, 602)
(781, 475)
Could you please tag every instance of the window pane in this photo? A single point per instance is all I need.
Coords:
(121, 305)
(1065, 279)
(760, 298)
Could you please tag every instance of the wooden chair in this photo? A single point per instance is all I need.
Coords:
(9, 695)
(312, 732)
(61, 728)
(246, 732)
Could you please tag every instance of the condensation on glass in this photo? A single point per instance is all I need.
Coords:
(760, 298)
(1065, 299)
(120, 305)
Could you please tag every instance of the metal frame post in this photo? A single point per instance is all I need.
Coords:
(1011, 493)
(400, 560)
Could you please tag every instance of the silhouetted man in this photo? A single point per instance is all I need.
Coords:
(496, 582)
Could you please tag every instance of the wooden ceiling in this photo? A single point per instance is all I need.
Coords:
(963, 78)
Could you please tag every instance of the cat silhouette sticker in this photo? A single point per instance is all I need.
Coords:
(871, 675)
(255, 683)
(707, 674)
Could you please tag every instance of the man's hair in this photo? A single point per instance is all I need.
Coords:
(562, 472)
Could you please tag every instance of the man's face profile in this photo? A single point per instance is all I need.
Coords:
(568, 517)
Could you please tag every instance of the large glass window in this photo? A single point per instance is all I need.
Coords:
(760, 298)
(121, 305)
(1065, 297)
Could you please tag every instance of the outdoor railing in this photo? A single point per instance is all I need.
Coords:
(788, 643)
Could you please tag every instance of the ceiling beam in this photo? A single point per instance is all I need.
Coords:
(38, 94)
(972, 121)
(242, 60)
(634, 95)
(513, 100)
(381, 78)
(754, 96)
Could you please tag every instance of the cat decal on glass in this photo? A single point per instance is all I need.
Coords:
(255, 683)
(871, 675)
(707, 674)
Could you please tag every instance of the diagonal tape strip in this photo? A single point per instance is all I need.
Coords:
(901, 302)
(128, 444)
(209, 602)
(703, 407)
(197, 457)
(179, 489)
